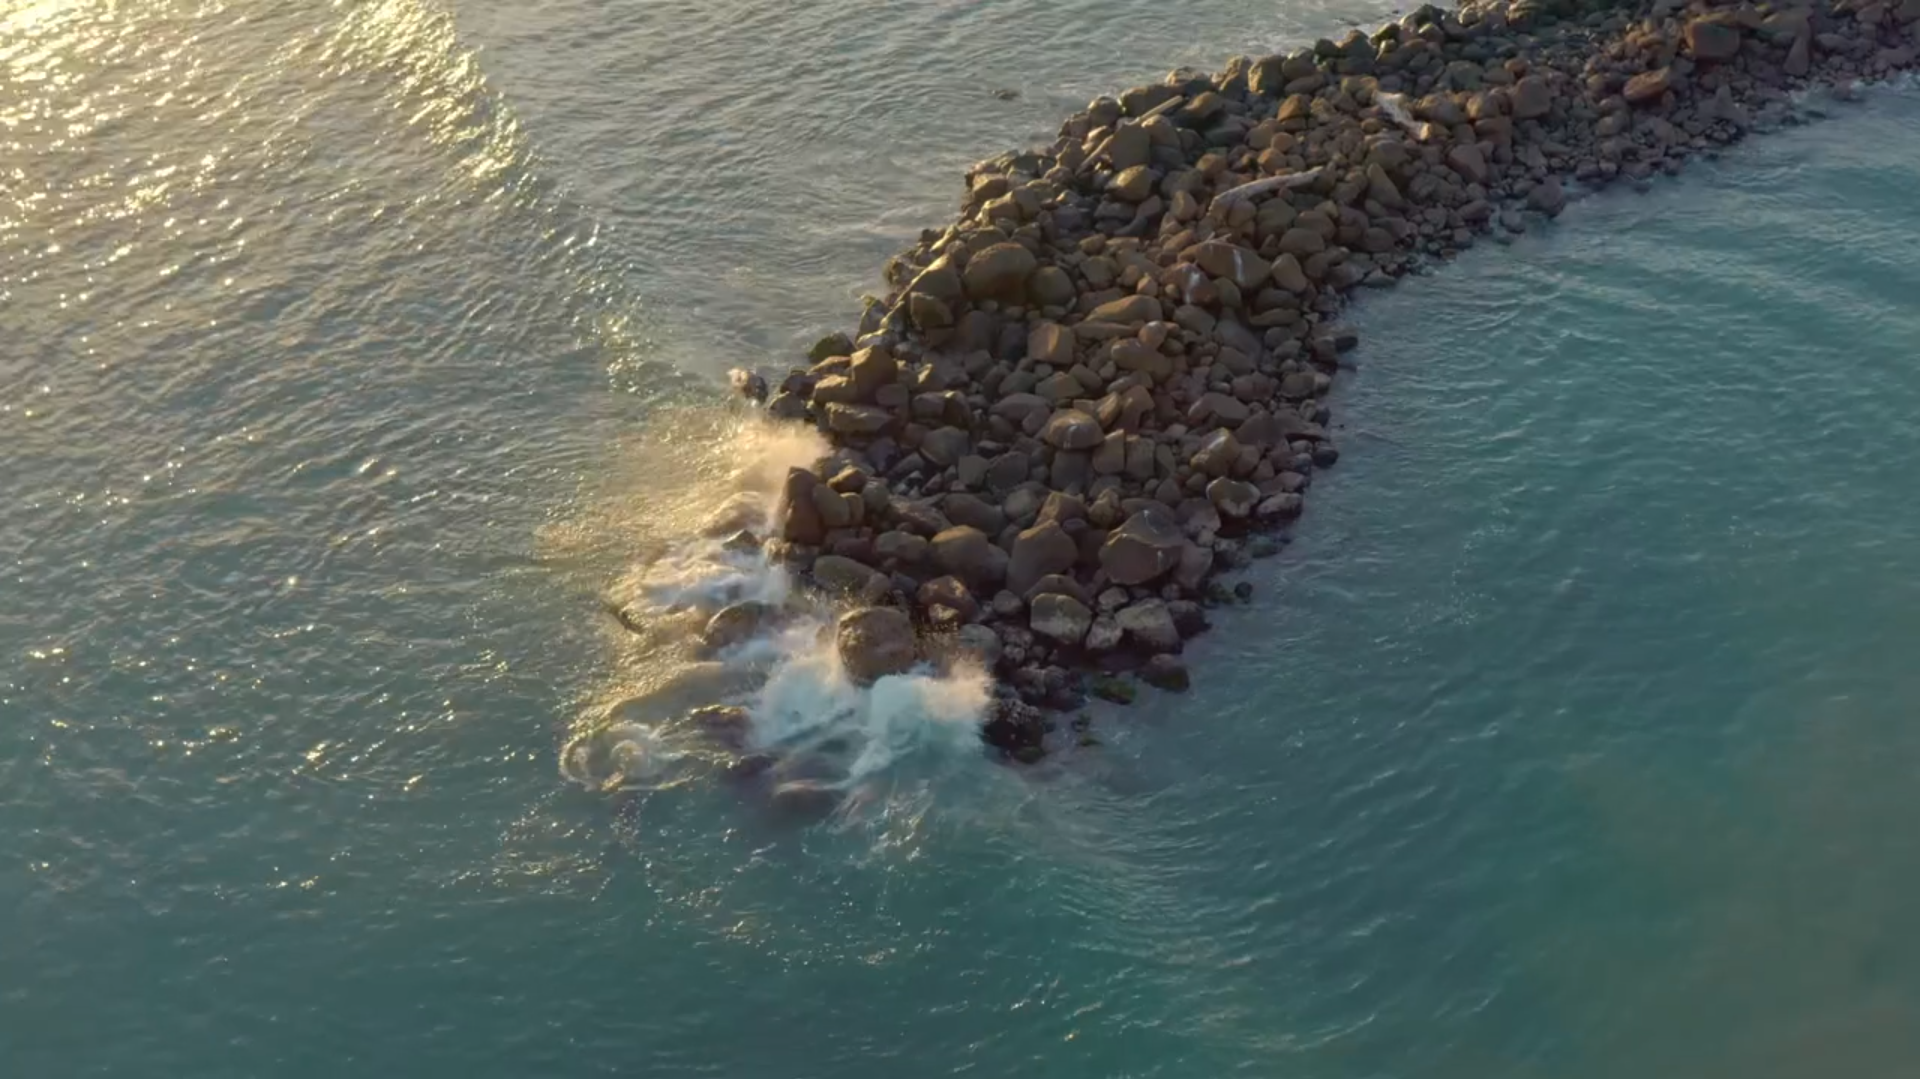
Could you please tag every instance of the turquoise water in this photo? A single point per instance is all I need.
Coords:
(346, 366)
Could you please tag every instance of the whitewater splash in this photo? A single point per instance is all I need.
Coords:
(760, 699)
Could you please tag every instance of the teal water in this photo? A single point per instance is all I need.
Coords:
(347, 355)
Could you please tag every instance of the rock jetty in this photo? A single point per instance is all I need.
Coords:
(1108, 380)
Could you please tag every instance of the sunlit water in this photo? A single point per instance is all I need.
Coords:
(352, 356)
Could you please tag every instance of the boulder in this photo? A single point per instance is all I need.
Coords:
(1072, 430)
(1531, 98)
(1127, 311)
(1218, 453)
(1247, 270)
(1165, 671)
(1059, 618)
(1648, 87)
(799, 519)
(1051, 287)
(946, 445)
(1050, 343)
(1137, 356)
(1000, 272)
(857, 419)
(1145, 546)
(1713, 40)
(1037, 552)
(968, 554)
(732, 625)
(1234, 499)
(874, 642)
(1150, 626)
(844, 576)
(949, 592)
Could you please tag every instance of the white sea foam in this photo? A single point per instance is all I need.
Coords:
(803, 708)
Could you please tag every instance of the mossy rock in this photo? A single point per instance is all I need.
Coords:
(1117, 690)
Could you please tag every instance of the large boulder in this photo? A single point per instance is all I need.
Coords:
(1150, 626)
(799, 520)
(1648, 87)
(1712, 39)
(1531, 98)
(1000, 273)
(844, 576)
(733, 625)
(1244, 268)
(1041, 550)
(875, 642)
(1059, 618)
(1070, 429)
(968, 554)
(1144, 547)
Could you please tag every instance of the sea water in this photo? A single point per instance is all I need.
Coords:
(355, 359)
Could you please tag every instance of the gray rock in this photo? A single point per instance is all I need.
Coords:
(1070, 429)
(1038, 552)
(1233, 498)
(946, 445)
(732, 625)
(968, 554)
(874, 642)
(844, 576)
(799, 519)
(1059, 618)
(1150, 626)
(857, 419)
(1145, 546)
(1166, 672)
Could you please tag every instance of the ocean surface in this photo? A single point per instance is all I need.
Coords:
(354, 356)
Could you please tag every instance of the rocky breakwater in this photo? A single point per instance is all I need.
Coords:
(1109, 378)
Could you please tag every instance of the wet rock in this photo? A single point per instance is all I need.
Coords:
(949, 592)
(799, 519)
(1110, 688)
(874, 642)
(846, 577)
(736, 624)
(1166, 672)
(803, 799)
(857, 419)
